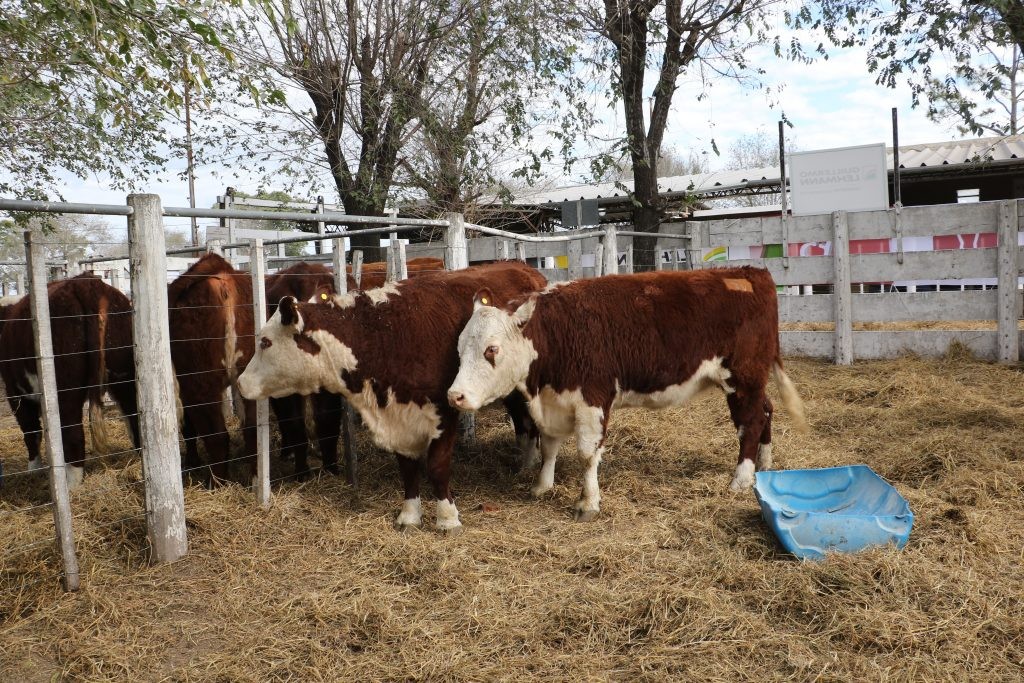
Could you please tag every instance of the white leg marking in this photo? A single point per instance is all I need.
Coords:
(75, 475)
(35, 463)
(739, 432)
(589, 433)
(411, 514)
(549, 447)
(744, 477)
(764, 457)
(448, 517)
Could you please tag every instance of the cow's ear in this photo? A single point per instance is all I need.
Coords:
(290, 316)
(525, 311)
(483, 298)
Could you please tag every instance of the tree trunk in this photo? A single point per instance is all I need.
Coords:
(369, 244)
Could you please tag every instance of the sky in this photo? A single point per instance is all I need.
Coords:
(831, 103)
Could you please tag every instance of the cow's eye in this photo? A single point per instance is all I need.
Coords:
(265, 343)
(490, 352)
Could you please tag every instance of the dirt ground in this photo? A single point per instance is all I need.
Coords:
(677, 580)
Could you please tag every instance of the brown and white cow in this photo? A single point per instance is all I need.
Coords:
(92, 346)
(305, 282)
(392, 353)
(652, 340)
(211, 323)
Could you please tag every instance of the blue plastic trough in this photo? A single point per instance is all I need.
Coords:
(842, 509)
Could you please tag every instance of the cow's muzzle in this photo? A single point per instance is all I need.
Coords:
(457, 399)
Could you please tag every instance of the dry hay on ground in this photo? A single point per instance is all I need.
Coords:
(677, 580)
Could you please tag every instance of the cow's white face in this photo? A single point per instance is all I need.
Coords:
(494, 356)
(286, 360)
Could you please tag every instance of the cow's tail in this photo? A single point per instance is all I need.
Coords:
(96, 338)
(790, 398)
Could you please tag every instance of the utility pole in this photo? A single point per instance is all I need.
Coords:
(190, 159)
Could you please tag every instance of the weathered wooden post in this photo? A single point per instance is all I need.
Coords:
(259, 316)
(629, 255)
(611, 251)
(39, 301)
(347, 421)
(842, 298)
(20, 280)
(599, 260)
(158, 418)
(521, 251)
(574, 252)
(215, 247)
(357, 268)
(1009, 271)
(456, 248)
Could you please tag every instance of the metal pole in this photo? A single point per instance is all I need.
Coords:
(321, 227)
(897, 200)
(784, 199)
(190, 159)
(40, 304)
(259, 307)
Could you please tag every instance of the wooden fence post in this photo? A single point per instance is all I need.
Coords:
(259, 316)
(599, 260)
(695, 250)
(347, 422)
(357, 267)
(40, 304)
(521, 251)
(574, 251)
(456, 248)
(1009, 270)
(841, 295)
(629, 256)
(611, 251)
(158, 418)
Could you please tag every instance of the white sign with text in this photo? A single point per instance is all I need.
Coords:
(844, 179)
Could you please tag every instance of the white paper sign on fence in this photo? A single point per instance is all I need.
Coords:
(843, 179)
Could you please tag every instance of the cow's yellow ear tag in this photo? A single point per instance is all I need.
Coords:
(323, 296)
(484, 301)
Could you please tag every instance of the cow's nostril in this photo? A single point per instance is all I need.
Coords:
(456, 399)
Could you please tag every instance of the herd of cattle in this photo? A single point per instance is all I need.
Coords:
(409, 356)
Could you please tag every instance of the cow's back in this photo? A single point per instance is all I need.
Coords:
(211, 321)
(645, 331)
(374, 274)
(407, 342)
(302, 281)
(86, 314)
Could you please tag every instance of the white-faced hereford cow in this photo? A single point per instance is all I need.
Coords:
(210, 310)
(92, 346)
(652, 340)
(306, 282)
(392, 353)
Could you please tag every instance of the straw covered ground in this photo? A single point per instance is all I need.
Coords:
(677, 580)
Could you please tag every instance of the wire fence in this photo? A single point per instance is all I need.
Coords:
(187, 318)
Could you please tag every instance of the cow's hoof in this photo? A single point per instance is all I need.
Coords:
(406, 528)
(450, 531)
(538, 492)
(743, 479)
(585, 515)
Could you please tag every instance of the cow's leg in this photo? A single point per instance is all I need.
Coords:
(439, 463)
(527, 435)
(188, 433)
(208, 424)
(764, 448)
(124, 395)
(327, 418)
(411, 515)
(747, 407)
(549, 447)
(249, 440)
(590, 429)
(26, 412)
(291, 423)
(72, 434)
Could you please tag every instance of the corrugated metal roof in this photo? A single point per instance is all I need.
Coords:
(911, 156)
